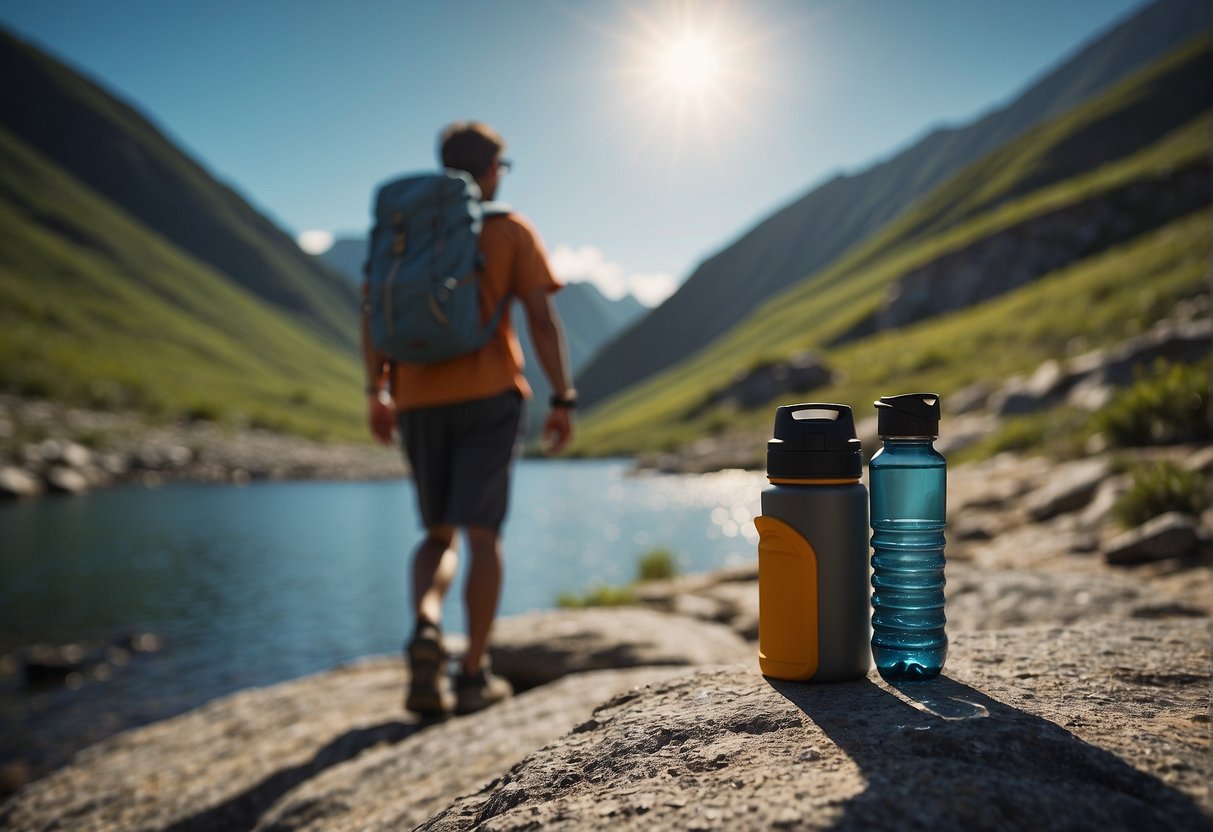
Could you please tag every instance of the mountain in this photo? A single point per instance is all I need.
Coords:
(821, 226)
(130, 279)
(109, 147)
(346, 255)
(1079, 232)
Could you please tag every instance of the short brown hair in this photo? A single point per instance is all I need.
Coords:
(470, 146)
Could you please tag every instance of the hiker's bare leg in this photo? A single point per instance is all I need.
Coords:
(434, 565)
(483, 591)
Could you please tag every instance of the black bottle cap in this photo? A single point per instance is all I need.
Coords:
(910, 414)
(814, 441)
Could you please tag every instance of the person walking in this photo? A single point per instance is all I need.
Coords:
(459, 422)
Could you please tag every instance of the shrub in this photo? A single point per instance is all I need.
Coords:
(1160, 487)
(600, 596)
(1169, 406)
(656, 565)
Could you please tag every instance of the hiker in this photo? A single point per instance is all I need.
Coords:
(459, 421)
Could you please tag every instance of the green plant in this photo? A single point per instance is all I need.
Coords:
(1158, 488)
(656, 565)
(1169, 405)
(601, 595)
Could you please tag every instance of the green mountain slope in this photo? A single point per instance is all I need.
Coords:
(114, 150)
(1027, 181)
(96, 309)
(821, 226)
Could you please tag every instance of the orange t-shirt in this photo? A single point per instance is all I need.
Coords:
(514, 263)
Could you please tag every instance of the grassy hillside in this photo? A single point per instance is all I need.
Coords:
(98, 310)
(114, 150)
(995, 193)
(821, 226)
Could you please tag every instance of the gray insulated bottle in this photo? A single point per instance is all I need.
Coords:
(813, 590)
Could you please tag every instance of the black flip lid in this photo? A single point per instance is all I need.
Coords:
(814, 441)
(910, 414)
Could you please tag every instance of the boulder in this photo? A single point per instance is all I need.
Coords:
(1071, 486)
(970, 398)
(799, 374)
(17, 482)
(1028, 729)
(538, 648)
(399, 785)
(64, 480)
(1171, 535)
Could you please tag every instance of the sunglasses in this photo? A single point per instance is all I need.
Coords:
(504, 165)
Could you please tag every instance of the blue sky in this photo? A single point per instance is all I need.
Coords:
(645, 136)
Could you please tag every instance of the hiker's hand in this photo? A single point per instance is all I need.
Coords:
(381, 416)
(557, 430)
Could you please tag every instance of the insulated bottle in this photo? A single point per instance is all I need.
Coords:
(813, 549)
(908, 478)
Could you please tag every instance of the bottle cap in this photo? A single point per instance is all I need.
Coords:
(814, 441)
(910, 414)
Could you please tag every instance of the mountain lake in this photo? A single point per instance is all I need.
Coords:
(249, 586)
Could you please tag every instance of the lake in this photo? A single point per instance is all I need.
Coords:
(254, 585)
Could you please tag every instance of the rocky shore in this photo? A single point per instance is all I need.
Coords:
(1076, 695)
(48, 448)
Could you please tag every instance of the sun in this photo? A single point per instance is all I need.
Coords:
(691, 65)
(689, 71)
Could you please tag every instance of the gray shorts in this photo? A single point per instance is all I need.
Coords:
(461, 456)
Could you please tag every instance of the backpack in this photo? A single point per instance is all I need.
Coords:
(423, 268)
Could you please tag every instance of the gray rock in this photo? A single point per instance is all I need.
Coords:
(1013, 398)
(1176, 341)
(75, 455)
(1171, 535)
(538, 648)
(17, 482)
(399, 785)
(1200, 459)
(1071, 486)
(65, 480)
(801, 373)
(1028, 729)
(982, 600)
(223, 764)
(970, 398)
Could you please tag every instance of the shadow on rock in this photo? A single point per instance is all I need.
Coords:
(243, 810)
(947, 756)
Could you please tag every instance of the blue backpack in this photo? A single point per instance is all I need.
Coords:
(423, 268)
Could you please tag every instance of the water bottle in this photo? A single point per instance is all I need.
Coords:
(908, 478)
(813, 549)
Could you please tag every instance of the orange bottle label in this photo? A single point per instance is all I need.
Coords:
(787, 601)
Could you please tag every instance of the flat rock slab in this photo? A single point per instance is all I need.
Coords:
(400, 785)
(537, 648)
(219, 765)
(1101, 727)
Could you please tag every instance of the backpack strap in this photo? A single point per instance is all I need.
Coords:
(488, 210)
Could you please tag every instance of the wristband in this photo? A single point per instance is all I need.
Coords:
(566, 400)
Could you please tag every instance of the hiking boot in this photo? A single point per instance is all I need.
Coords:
(479, 690)
(429, 693)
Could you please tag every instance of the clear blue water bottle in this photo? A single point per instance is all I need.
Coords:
(908, 486)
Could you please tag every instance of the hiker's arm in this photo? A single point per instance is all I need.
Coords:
(547, 334)
(381, 415)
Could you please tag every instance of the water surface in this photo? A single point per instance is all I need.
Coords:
(255, 585)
